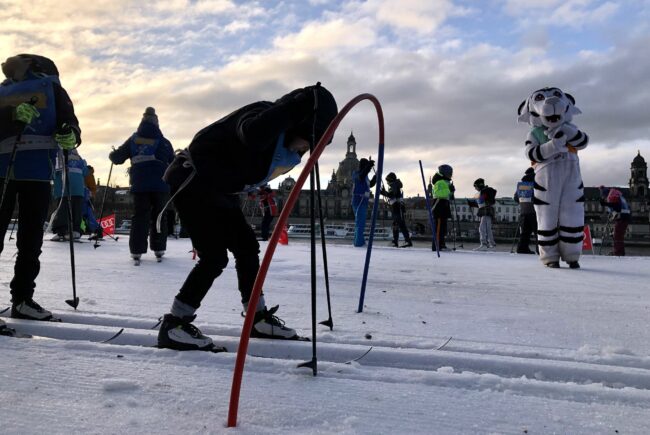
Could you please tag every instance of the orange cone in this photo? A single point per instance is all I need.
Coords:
(284, 237)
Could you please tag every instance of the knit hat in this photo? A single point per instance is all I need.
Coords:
(391, 176)
(445, 170)
(530, 171)
(479, 183)
(16, 67)
(150, 116)
(323, 111)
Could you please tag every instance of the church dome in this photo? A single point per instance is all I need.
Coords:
(639, 161)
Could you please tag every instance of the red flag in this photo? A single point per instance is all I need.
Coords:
(108, 224)
(587, 243)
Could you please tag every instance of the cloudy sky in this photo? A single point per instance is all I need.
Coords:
(449, 74)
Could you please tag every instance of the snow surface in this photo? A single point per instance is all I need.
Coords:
(534, 350)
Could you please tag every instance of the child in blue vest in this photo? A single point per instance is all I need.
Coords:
(150, 153)
(77, 171)
(524, 195)
(37, 119)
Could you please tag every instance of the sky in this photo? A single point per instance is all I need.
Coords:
(449, 74)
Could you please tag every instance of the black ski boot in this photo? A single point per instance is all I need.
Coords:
(267, 325)
(179, 334)
(553, 265)
(30, 310)
(408, 244)
(574, 265)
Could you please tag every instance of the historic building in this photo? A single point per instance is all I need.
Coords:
(637, 194)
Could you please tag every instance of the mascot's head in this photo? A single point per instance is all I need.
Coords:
(548, 107)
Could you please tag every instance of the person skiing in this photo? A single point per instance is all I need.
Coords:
(396, 201)
(238, 153)
(77, 170)
(552, 146)
(619, 213)
(527, 218)
(269, 209)
(485, 199)
(442, 190)
(360, 198)
(36, 119)
(150, 153)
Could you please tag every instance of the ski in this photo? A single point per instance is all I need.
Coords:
(359, 358)
(213, 349)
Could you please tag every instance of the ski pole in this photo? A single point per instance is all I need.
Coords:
(12, 157)
(74, 302)
(453, 228)
(428, 203)
(313, 364)
(515, 239)
(453, 201)
(101, 210)
(329, 322)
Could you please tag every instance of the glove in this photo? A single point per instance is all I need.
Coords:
(559, 142)
(371, 163)
(570, 131)
(452, 188)
(66, 137)
(25, 113)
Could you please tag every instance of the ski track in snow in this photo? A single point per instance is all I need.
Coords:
(608, 384)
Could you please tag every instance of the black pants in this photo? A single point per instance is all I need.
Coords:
(266, 224)
(34, 199)
(60, 222)
(398, 222)
(147, 207)
(216, 225)
(528, 227)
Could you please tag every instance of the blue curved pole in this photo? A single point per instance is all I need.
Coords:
(375, 212)
(426, 197)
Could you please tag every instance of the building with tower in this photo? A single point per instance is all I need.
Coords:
(637, 195)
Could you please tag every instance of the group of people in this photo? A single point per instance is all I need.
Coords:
(243, 152)
(240, 152)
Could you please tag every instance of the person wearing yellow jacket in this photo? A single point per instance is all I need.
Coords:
(442, 190)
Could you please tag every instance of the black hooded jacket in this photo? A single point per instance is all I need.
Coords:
(236, 150)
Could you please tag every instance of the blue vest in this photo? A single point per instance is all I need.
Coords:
(282, 162)
(143, 149)
(37, 150)
(525, 191)
(77, 169)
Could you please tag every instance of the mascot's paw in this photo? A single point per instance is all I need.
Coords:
(559, 141)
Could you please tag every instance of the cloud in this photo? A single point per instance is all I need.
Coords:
(446, 98)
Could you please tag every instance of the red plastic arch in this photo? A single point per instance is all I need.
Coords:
(273, 241)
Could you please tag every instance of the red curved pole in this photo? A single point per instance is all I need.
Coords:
(273, 241)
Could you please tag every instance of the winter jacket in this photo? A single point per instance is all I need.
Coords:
(619, 208)
(236, 152)
(77, 170)
(485, 200)
(441, 192)
(524, 194)
(362, 184)
(394, 193)
(267, 202)
(150, 155)
(36, 154)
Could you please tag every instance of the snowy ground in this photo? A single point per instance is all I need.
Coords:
(534, 350)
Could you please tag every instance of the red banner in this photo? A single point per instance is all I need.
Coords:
(108, 224)
(587, 243)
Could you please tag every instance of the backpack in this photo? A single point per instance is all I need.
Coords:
(490, 195)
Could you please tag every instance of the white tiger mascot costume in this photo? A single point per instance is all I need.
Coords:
(552, 147)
